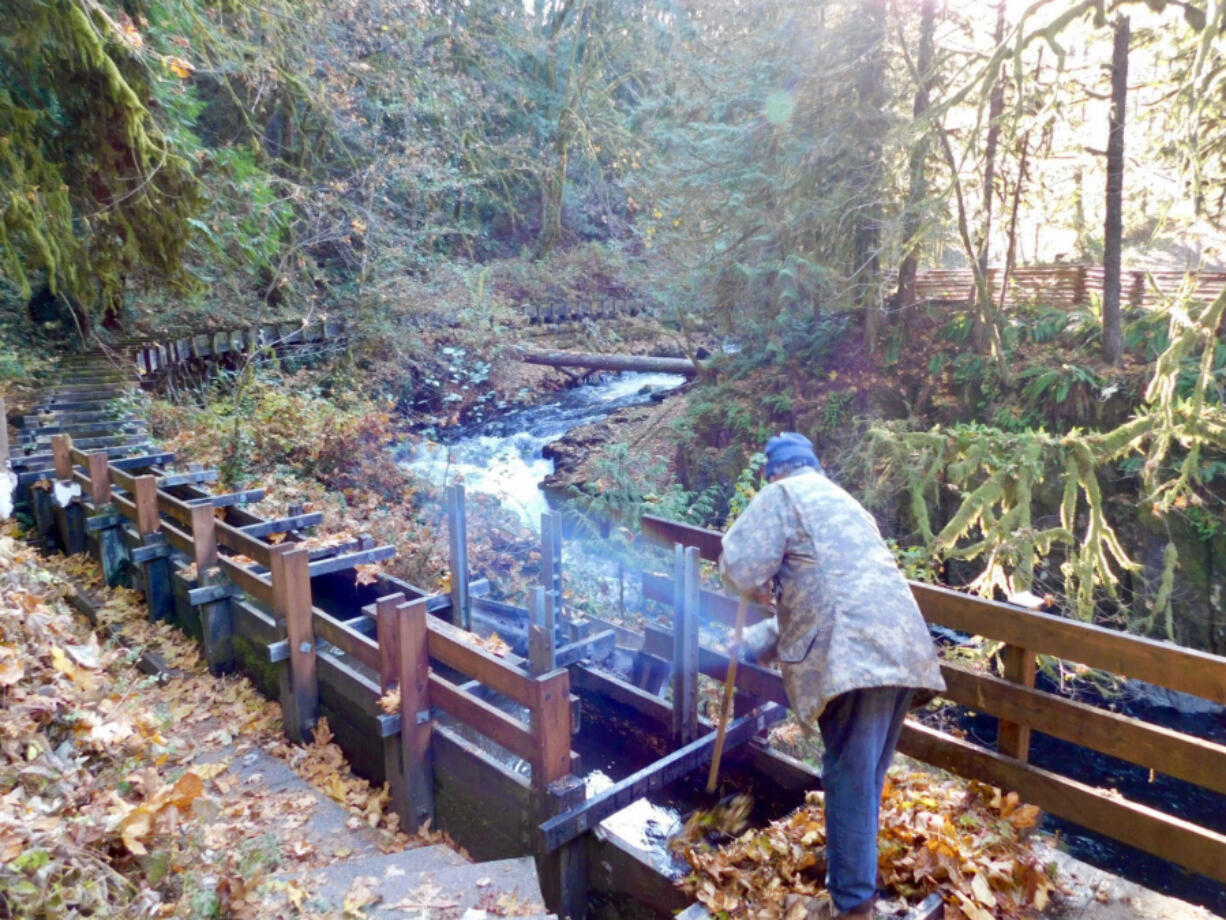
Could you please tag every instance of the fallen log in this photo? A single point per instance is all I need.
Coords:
(646, 364)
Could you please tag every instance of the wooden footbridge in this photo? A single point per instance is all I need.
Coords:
(490, 748)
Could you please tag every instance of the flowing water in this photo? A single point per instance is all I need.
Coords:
(502, 456)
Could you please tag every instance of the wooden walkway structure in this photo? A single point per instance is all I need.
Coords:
(1068, 286)
(485, 746)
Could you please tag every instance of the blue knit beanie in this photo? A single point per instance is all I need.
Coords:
(786, 448)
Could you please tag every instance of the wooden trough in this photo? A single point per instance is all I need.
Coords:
(487, 747)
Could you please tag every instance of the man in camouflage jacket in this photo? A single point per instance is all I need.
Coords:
(849, 637)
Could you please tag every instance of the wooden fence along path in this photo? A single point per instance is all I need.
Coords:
(1068, 286)
(292, 616)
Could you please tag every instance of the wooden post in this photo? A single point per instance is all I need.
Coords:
(146, 497)
(66, 509)
(458, 542)
(563, 873)
(415, 726)
(387, 625)
(99, 478)
(1018, 665)
(291, 592)
(1079, 286)
(685, 644)
(61, 446)
(216, 617)
(156, 568)
(1136, 293)
(551, 725)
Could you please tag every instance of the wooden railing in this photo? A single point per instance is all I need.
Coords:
(1021, 709)
(1068, 286)
(157, 356)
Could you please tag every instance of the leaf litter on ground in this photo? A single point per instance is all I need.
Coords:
(117, 793)
(966, 840)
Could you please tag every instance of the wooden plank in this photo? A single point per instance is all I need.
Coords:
(99, 478)
(1186, 670)
(1182, 756)
(490, 670)
(416, 696)
(291, 584)
(282, 525)
(251, 584)
(551, 726)
(489, 720)
(1013, 738)
(387, 628)
(360, 646)
(61, 444)
(204, 538)
(350, 560)
(145, 493)
(1147, 829)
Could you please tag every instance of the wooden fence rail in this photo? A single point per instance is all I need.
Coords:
(1021, 708)
(1068, 286)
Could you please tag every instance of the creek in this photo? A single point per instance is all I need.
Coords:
(502, 456)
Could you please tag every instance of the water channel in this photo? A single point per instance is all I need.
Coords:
(502, 457)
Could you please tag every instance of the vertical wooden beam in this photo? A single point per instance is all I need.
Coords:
(204, 536)
(457, 530)
(291, 592)
(685, 644)
(1136, 294)
(146, 497)
(563, 873)
(216, 617)
(551, 725)
(415, 727)
(61, 444)
(99, 478)
(387, 625)
(1018, 665)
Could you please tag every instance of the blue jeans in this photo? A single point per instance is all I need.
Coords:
(859, 730)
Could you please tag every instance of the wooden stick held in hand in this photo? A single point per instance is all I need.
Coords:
(729, 688)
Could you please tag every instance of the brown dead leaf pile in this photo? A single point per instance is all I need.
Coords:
(967, 841)
(119, 796)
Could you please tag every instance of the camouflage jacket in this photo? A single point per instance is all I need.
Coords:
(847, 619)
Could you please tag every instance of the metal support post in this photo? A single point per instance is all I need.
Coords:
(457, 528)
(685, 644)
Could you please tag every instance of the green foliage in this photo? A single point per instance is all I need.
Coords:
(1054, 383)
(996, 475)
(92, 190)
